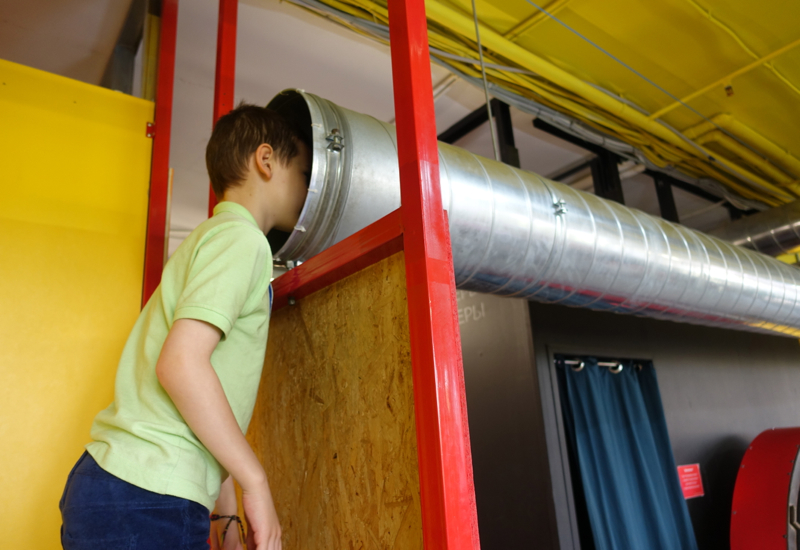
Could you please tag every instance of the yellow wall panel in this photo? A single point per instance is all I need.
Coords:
(75, 173)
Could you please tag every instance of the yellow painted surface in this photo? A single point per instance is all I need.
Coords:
(75, 173)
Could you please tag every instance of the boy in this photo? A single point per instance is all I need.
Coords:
(188, 376)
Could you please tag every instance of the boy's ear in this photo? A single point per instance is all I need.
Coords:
(265, 160)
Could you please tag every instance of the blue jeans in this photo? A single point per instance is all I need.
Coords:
(100, 511)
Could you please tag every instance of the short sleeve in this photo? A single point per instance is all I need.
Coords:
(225, 269)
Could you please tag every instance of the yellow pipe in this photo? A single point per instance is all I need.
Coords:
(725, 79)
(781, 157)
(749, 156)
(530, 22)
(750, 177)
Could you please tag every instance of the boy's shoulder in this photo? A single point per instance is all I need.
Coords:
(227, 231)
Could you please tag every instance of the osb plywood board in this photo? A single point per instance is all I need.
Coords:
(334, 422)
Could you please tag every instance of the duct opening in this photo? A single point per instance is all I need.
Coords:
(292, 105)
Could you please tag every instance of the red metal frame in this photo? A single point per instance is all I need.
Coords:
(449, 516)
(369, 246)
(225, 76)
(155, 241)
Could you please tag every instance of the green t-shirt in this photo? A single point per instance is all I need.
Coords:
(221, 275)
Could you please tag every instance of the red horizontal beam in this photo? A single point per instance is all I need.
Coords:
(372, 244)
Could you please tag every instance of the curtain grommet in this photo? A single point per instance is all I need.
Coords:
(617, 369)
(578, 367)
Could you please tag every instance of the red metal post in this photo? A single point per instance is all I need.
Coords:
(159, 165)
(226, 68)
(449, 517)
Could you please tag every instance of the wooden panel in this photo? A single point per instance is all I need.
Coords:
(334, 422)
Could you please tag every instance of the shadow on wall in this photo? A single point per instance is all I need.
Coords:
(711, 514)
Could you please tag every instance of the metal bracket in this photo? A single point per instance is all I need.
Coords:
(151, 130)
(336, 140)
(560, 207)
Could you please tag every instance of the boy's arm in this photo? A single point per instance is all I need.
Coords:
(184, 370)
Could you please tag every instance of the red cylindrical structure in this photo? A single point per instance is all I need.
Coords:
(764, 514)
(447, 493)
(225, 74)
(155, 242)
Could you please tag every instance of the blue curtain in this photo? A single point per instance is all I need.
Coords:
(620, 450)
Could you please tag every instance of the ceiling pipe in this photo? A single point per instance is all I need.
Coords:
(773, 232)
(515, 233)
(781, 156)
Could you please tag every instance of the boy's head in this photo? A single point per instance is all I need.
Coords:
(236, 137)
(257, 144)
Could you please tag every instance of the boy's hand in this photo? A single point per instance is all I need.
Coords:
(263, 527)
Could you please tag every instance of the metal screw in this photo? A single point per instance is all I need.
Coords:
(336, 140)
(560, 206)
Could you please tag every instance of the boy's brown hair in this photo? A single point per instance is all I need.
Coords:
(238, 134)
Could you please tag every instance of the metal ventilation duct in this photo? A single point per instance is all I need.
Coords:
(517, 234)
(772, 232)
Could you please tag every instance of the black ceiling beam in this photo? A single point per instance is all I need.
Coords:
(509, 153)
(464, 126)
(605, 170)
(477, 118)
(734, 212)
(680, 184)
(605, 177)
(561, 134)
(666, 200)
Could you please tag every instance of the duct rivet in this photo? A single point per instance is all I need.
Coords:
(336, 141)
(560, 207)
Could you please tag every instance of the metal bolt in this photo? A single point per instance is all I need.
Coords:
(336, 140)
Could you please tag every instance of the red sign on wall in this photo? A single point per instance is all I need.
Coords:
(691, 482)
